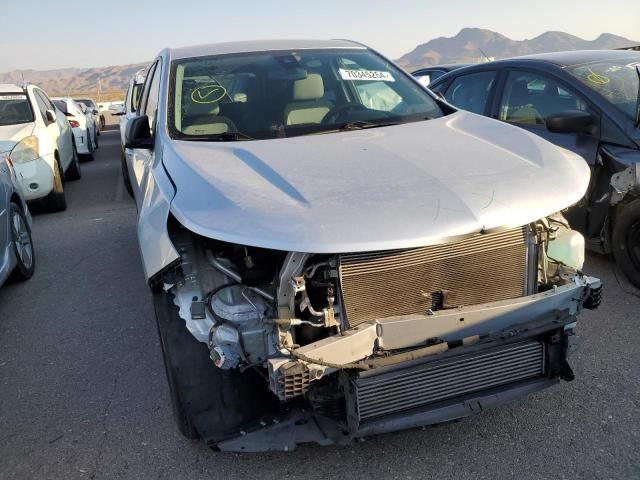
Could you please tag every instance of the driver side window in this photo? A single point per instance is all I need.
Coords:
(530, 98)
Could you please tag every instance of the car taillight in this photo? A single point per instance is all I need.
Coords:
(74, 123)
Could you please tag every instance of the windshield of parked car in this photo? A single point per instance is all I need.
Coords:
(291, 93)
(15, 108)
(61, 105)
(615, 80)
(86, 102)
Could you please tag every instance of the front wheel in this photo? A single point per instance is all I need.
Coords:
(74, 172)
(125, 175)
(625, 240)
(56, 201)
(22, 245)
(89, 157)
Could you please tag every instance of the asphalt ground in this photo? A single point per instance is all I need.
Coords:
(83, 391)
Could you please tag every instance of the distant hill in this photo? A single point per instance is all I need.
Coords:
(467, 47)
(111, 81)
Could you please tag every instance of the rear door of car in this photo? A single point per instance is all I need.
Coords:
(472, 91)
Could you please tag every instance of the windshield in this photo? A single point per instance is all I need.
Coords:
(135, 96)
(61, 105)
(616, 81)
(86, 102)
(15, 108)
(283, 94)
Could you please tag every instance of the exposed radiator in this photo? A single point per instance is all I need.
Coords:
(421, 385)
(480, 269)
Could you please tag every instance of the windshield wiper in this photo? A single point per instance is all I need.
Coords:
(223, 137)
(361, 125)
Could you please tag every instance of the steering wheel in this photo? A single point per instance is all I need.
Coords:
(333, 116)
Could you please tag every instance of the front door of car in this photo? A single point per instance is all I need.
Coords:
(528, 98)
(53, 129)
(141, 159)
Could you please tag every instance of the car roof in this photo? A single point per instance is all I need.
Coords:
(11, 88)
(260, 46)
(578, 57)
(445, 66)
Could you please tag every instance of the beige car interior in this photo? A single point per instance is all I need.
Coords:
(519, 108)
(308, 105)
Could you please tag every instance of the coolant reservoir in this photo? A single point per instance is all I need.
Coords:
(568, 248)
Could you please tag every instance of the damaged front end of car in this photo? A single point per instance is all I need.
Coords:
(327, 348)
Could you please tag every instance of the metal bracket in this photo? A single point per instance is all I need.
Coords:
(625, 182)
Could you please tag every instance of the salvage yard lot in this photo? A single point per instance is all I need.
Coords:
(83, 392)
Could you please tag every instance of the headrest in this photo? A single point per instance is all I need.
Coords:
(310, 88)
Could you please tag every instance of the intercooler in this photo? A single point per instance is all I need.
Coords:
(371, 397)
(484, 268)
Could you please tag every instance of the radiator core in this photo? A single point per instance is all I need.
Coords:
(484, 268)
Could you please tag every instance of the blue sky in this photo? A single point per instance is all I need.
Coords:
(50, 34)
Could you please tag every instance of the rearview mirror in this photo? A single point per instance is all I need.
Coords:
(51, 116)
(571, 121)
(138, 134)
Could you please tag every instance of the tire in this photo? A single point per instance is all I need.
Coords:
(178, 404)
(102, 122)
(22, 245)
(56, 201)
(207, 402)
(125, 175)
(95, 138)
(625, 240)
(89, 156)
(74, 172)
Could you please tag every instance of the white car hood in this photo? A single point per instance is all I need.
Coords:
(12, 134)
(391, 187)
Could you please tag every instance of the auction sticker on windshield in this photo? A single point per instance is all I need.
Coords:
(366, 75)
(13, 97)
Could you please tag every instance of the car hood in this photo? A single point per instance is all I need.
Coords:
(12, 134)
(392, 187)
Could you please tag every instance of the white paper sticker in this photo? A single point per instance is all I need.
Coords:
(366, 75)
(13, 97)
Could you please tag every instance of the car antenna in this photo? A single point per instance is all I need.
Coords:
(484, 54)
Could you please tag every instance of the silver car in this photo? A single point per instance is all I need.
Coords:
(16, 246)
(334, 252)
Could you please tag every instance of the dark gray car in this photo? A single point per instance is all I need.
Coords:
(586, 102)
(16, 246)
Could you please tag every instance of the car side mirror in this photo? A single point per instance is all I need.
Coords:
(51, 116)
(571, 121)
(94, 111)
(138, 134)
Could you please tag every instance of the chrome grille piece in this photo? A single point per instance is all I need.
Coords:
(480, 269)
(433, 382)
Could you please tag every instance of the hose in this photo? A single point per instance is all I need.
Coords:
(215, 263)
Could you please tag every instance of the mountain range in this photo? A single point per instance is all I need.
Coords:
(473, 45)
(470, 45)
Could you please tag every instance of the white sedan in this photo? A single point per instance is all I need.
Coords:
(39, 141)
(84, 128)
